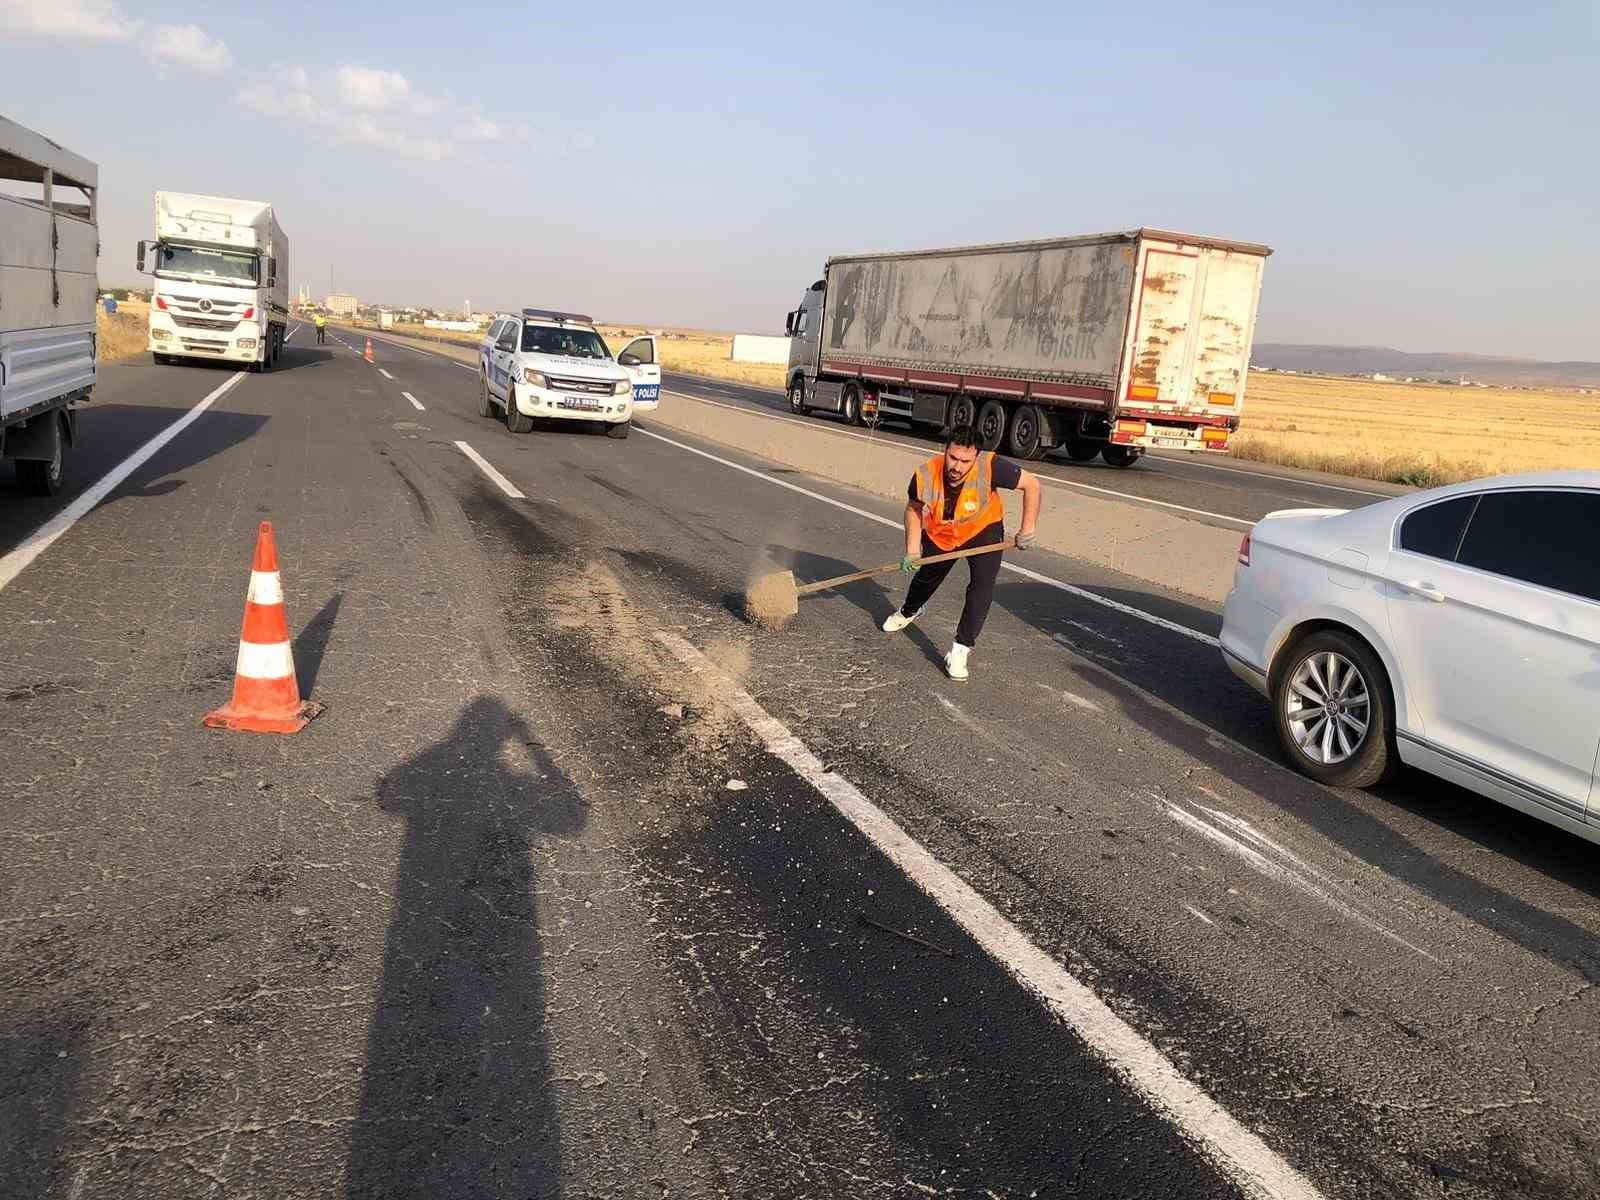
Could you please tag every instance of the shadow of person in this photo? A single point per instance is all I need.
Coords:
(457, 1098)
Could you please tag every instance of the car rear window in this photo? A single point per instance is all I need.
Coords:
(1436, 530)
(1545, 538)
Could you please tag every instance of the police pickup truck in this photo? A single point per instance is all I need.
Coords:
(555, 366)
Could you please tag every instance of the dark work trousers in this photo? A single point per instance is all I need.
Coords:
(983, 570)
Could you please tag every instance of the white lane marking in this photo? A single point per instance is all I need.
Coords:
(1244, 841)
(1332, 487)
(40, 540)
(261, 661)
(500, 481)
(1070, 589)
(454, 362)
(1239, 1153)
(1072, 698)
(960, 717)
(415, 403)
(290, 335)
(384, 373)
(1195, 912)
(918, 452)
(266, 587)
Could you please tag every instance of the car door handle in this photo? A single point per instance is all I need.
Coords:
(1426, 590)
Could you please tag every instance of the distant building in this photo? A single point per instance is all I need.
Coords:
(341, 305)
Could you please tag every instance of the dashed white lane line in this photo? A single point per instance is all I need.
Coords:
(40, 540)
(922, 454)
(384, 373)
(499, 480)
(1258, 1170)
(1081, 593)
(415, 403)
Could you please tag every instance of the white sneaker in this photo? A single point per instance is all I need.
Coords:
(897, 620)
(955, 663)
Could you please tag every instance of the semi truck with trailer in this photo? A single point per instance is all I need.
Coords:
(1110, 344)
(221, 271)
(49, 242)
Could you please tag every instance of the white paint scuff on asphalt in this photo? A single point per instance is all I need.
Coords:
(40, 540)
(415, 403)
(384, 373)
(1253, 1165)
(499, 480)
(1070, 589)
(1197, 914)
(1241, 839)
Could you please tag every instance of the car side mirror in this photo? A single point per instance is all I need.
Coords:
(506, 344)
(629, 360)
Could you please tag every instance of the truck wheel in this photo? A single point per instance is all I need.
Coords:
(797, 397)
(850, 404)
(485, 403)
(42, 477)
(991, 425)
(1024, 438)
(619, 430)
(1079, 451)
(1121, 456)
(963, 412)
(516, 420)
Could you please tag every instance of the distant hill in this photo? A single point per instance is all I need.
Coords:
(1481, 368)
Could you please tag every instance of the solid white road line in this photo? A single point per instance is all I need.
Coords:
(415, 403)
(1332, 487)
(290, 335)
(1242, 1155)
(454, 362)
(40, 540)
(384, 373)
(1081, 593)
(917, 452)
(499, 480)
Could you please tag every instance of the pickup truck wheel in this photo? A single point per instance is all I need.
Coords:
(485, 402)
(1121, 456)
(963, 412)
(42, 477)
(991, 425)
(797, 397)
(1024, 438)
(516, 420)
(1081, 451)
(619, 429)
(850, 404)
(1332, 706)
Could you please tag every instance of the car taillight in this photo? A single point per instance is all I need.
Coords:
(248, 313)
(1244, 551)
(161, 304)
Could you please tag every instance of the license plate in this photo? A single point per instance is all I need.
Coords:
(580, 402)
(1174, 443)
(646, 391)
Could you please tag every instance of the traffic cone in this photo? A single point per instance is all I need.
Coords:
(266, 694)
(368, 354)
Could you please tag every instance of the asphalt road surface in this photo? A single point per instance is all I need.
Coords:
(582, 887)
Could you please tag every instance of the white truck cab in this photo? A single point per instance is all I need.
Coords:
(555, 366)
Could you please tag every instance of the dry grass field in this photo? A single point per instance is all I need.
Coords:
(1419, 434)
(124, 334)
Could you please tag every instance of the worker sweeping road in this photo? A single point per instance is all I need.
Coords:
(954, 503)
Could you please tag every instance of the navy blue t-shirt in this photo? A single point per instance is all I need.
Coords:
(1006, 474)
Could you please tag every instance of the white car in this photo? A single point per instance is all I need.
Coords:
(555, 366)
(1456, 630)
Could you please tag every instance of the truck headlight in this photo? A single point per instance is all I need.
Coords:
(247, 343)
(622, 387)
(529, 375)
(161, 335)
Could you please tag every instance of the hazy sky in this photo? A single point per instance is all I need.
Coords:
(1427, 173)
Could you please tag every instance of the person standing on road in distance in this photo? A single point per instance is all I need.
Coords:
(321, 322)
(954, 503)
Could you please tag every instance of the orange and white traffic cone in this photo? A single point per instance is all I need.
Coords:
(266, 694)
(368, 354)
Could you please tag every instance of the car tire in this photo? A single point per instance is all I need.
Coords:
(44, 477)
(797, 397)
(619, 429)
(1121, 456)
(991, 425)
(1300, 676)
(485, 401)
(516, 420)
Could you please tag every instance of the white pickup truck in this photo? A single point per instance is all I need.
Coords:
(555, 366)
(49, 239)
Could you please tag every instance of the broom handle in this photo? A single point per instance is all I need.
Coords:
(825, 584)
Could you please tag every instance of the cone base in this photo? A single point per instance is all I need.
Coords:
(228, 717)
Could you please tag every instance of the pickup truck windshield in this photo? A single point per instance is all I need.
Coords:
(222, 265)
(574, 343)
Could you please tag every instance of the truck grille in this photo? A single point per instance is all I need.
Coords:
(598, 387)
(186, 322)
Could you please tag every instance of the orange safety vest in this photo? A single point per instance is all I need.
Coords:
(977, 507)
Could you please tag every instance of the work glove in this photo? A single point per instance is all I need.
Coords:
(1025, 541)
(909, 564)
